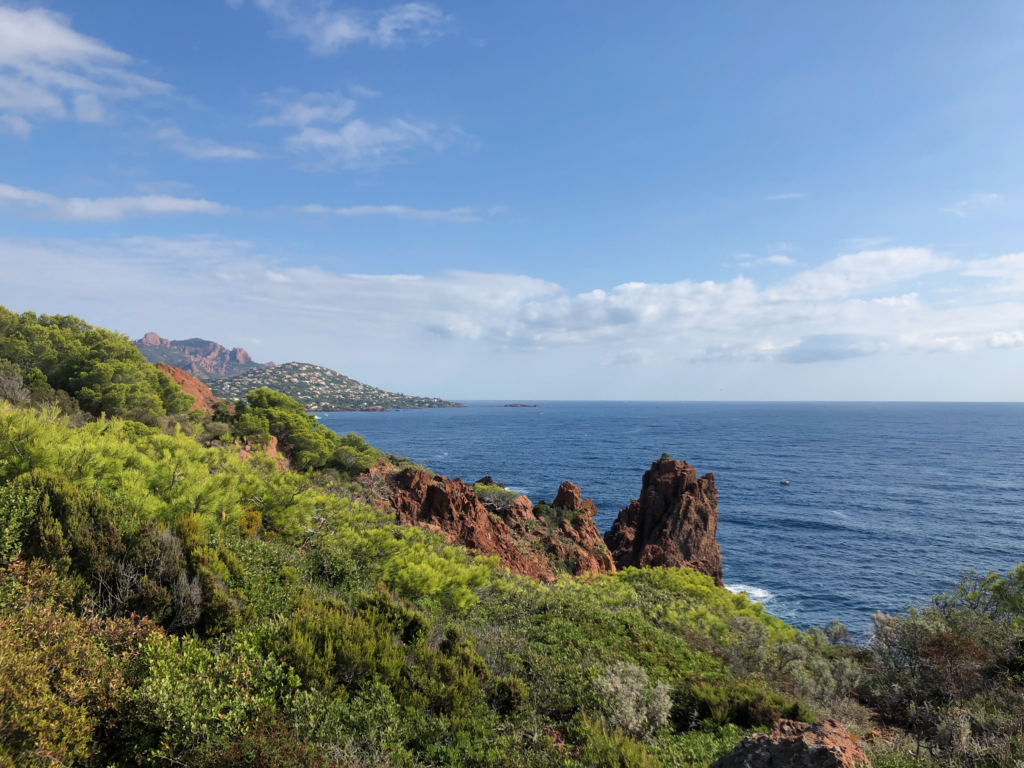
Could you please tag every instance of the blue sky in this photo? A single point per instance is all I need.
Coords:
(728, 200)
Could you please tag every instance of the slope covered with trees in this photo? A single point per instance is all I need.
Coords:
(168, 597)
(321, 389)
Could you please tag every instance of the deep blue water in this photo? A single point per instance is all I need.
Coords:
(887, 504)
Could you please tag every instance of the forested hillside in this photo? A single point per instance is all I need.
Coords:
(320, 389)
(171, 596)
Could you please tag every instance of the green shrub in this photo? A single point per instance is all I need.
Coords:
(744, 704)
(18, 503)
(603, 748)
(191, 694)
(630, 704)
(508, 695)
(62, 678)
(272, 744)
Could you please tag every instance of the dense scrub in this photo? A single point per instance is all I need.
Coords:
(63, 360)
(166, 601)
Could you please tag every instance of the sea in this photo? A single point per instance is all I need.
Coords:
(886, 503)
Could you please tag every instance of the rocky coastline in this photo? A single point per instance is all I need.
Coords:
(672, 524)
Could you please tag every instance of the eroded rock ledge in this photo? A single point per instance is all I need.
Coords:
(562, 540)
(673, 523)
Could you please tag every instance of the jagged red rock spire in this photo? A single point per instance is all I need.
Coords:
(672, 524)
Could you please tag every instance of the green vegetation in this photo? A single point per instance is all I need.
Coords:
(168, 598)
(312, 446)
(67, 362)
(320, 389)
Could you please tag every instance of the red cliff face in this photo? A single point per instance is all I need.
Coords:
(450, 508)
(672, 524)
(190, 385)
(524, 544)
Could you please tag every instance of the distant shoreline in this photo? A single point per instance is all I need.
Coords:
(382, 408)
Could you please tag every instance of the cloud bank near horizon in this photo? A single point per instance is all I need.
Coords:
(855, 305)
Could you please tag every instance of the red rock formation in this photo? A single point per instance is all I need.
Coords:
(506, 527)
(589, 553)
(672, 524)
(798, 745)
(190, 385)
(568, 497)
(450, 508)
(197, 357)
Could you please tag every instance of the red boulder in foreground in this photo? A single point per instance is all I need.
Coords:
(798, 745)
(672, 524)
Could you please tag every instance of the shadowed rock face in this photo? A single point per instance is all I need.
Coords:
(672, 524)
(798, 745)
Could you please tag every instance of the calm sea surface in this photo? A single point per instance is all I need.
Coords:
(887, 503)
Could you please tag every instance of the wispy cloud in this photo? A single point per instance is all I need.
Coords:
(973, 204)
(48, 70)
(328, 30)
(107, 208)
(806, 319)
(778, 260)
(300, 111)
(328, 135)
(358, 143)
(786, 196)
(203, 149)
(462, 215)
(1007, 271)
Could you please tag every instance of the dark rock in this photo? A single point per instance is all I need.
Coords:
(672, 524)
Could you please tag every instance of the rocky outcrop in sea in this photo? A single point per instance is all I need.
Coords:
(673, 523)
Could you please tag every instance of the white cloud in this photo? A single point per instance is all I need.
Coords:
(358, 143)
(462, 215)
(49, 70)
(786, 196)
(973, 204)
(906, 300)
(107, 208)
(203, 149)
(19, 126)
(790, 322)
(782, 261)
(310, 108)
(328, 30)
(328, 134)
(367, 93)
(854, 273)
(1007, 270)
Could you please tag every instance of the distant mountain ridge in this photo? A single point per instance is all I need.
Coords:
(198, 357)
(320, 389)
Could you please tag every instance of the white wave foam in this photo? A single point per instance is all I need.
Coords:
(756, 594)
(520, 491)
